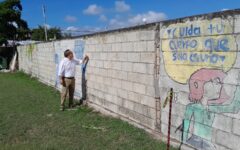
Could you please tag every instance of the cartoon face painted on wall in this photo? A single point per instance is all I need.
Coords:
(212, 91)
(197, 84)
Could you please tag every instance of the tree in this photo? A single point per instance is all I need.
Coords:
(12, 27)
(38, 34)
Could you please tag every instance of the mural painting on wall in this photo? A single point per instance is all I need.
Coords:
(57, 59)
(78, 53)
(79, 49)
(200, 55)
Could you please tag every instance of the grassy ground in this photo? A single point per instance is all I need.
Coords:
(30, 119)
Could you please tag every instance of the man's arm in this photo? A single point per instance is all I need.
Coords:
(80, 61)
(233, 107)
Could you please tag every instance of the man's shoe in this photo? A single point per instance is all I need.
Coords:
(62, 108)
(81, 102)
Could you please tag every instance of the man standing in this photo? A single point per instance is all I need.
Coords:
(66, 74)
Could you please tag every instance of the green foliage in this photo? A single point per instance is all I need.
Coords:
(12, 27)
(38, 34)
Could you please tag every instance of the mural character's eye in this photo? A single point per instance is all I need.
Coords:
(196, 85)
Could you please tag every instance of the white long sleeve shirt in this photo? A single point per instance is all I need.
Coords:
(67, 67)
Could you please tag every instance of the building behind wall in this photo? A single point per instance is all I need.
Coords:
(6, 55)
(196, 56)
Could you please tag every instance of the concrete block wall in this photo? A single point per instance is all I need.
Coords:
(199, 59)
(120, 74)
(38, 61)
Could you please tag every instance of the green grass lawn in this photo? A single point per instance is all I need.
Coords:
(30, 119)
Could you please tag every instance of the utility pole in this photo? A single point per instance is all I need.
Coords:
(45, 21)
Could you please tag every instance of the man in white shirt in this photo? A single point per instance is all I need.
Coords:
(67, 69)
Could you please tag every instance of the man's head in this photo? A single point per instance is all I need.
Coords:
(68, 54)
